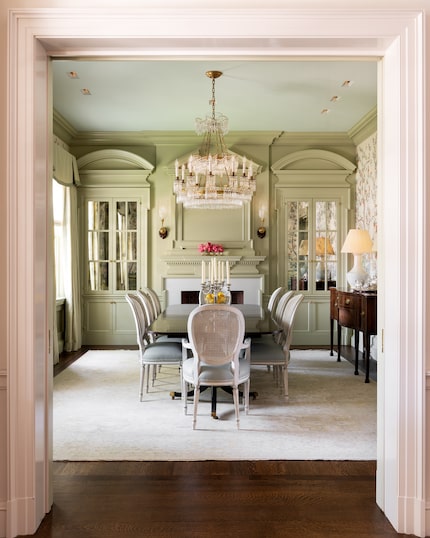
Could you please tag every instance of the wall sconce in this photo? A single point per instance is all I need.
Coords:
(261, 232)
(163, 231)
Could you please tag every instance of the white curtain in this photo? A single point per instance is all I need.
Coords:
(66, 173)
(72, 285)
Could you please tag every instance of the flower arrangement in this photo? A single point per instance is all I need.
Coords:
(210, 248)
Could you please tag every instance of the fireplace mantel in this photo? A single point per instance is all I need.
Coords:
(191, 264)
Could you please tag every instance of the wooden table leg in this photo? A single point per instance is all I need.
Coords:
(367, 355)
(356, 341)
(213, 403)
(331, 336)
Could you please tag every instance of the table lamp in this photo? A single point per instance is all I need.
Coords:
(323, 248)
(357, 243)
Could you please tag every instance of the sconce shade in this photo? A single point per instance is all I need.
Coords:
(357, 242)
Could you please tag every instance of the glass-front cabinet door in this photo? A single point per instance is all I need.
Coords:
(112, 245)
(312, 223)
(312, 244)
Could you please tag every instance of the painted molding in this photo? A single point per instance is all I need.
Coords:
(105, 159)
(321, 160)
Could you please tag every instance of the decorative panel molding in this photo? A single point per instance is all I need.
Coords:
(114, 167)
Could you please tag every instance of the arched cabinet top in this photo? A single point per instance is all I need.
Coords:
(313, 167)
(114, 167)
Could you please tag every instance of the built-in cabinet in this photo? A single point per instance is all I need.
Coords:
(112, 247)
(114, 241)
(313, 204)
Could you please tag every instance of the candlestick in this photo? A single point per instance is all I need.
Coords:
(203, 272)
(215, 270)
(228, 272)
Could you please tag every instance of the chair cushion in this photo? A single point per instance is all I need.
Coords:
(163, 352)
(266, 351)
(215, 375)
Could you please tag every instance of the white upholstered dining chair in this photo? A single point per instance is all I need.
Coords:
(152, 354)
(216, 338)
(274, 298)
(276, 352)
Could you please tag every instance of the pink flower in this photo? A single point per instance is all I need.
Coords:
(211, 248)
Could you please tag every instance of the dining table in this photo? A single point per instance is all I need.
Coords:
(174, 319)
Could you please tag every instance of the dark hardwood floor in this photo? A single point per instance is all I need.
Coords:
(309, 499)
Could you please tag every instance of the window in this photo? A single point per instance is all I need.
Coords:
(58, 202)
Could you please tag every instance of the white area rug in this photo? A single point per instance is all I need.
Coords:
(331, 414)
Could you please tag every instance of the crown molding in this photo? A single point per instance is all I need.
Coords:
(367, 126)
(62, 128)
(288, 138)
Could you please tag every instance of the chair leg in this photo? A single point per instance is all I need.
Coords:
(286, 381)
(246, 390)
(196, 403)
(142, 380)
(236, 404)
(148, 375)
(184, 391)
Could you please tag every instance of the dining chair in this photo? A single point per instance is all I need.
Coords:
(276, 353)
(278, 312)
(276, 316)
(274, 298)
(152, 354)
(154, 300)
(148, 311)
(216, 337)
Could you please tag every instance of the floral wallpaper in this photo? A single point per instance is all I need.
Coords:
(366, 188)
(366, 205)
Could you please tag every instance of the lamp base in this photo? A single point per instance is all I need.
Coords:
(357, 277)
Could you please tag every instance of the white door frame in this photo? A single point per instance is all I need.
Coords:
(396, 37)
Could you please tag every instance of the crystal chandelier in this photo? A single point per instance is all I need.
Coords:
(213, 178)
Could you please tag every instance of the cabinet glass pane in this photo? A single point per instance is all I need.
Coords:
(325, 244)
(297, 244)
(98, 246)
(98, 273)
(98, 215)
(126, 215)
(126, 246)
(126, 276)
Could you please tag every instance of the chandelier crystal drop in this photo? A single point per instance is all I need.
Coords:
(213, 178)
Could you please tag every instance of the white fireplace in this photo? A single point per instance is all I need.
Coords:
(182, 272)
(252, 287)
